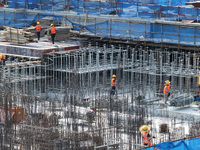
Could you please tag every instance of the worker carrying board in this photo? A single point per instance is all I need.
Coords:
(144, 129)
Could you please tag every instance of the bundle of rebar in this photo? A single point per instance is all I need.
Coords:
(181, 101)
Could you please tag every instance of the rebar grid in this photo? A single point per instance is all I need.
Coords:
(59, 92)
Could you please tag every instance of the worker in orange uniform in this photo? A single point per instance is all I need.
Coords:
(113, 85)
(53, 33)
(2, 4)
(144, 129)
(3, 59)
(38, 30)
(166, 90)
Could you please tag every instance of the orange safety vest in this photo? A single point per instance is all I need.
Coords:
(4, 56)
(113, 82)
(38, 28)
(169, 86)
(53, 30)
(145, 138)
(166, 89)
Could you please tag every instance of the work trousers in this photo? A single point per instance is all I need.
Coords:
(165, 98)
(112, 92)
(53, 37)
(38, 35)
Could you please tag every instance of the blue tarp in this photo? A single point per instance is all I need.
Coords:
(158, 2)
(157, 11)
(149, 32)
(92, 7)
(152, 9)
(13, 19)
(55, 5)
(127, 30)
(188, 144)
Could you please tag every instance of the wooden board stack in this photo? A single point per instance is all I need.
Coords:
(14, 35)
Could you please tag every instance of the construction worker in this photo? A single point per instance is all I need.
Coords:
(166, 90)
(168, 83)
(38, 30)
(144, 129)
(113, 85)
(2, 4)
(53, 33)
(3, 59)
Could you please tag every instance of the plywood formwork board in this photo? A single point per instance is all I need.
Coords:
(34, 49)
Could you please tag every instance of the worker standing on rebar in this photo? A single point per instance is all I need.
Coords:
(113, 85)
(144, 129)
(168, 84)
(38, 30)
(53, 33)
(166, 90)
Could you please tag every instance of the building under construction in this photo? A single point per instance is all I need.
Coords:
(58, 96)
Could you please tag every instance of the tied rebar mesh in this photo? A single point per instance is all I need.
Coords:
(67, 102)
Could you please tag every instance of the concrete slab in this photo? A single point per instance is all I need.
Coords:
(34, 49)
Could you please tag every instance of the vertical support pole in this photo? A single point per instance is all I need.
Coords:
(110, 28)
(61, 72)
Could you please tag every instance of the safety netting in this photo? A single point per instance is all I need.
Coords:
(79, 6)
(143, 31)
(51, 5)
(154, 32)
(188, 144)
(158, 2)
(89, 5)
(151, 9)
(13, 19)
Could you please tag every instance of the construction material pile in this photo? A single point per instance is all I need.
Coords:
(17, 35)
(181, 101)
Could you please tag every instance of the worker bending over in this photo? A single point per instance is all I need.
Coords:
(113, 85)
(144, 129)
(53, 33)
(166, 90)
(38, 30)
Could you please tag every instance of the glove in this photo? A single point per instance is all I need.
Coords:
(168, 94)
(154, 137)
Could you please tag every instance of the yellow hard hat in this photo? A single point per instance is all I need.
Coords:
(51, 24)
(114, 76)
(144, 128)
(167, 81)
(38, 22)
